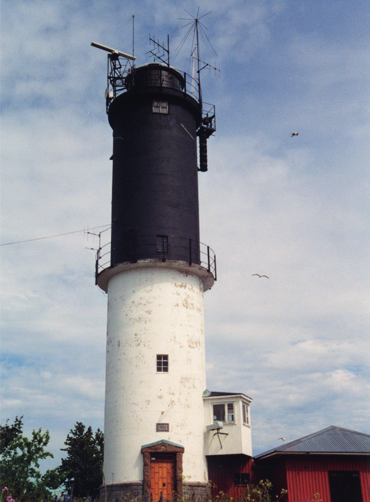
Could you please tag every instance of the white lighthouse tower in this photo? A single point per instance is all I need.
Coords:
(155, 273)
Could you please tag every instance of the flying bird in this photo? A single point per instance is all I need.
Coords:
(283, 439)
(260, 276)
(294, 134)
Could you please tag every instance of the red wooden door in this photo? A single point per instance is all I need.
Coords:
(162, 479)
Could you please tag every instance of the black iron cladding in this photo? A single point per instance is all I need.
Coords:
(155, 184)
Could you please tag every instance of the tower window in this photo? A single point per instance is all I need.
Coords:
(160, 107)
(224, 412)
(162, 244)
(162, 363)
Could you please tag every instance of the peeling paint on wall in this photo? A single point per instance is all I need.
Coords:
(155, 311)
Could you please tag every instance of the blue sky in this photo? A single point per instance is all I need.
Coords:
(293, 208)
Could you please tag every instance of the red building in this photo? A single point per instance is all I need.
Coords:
(229, 474)
(333, 463)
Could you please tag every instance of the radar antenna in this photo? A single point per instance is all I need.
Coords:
(112, 51)
(119, 65)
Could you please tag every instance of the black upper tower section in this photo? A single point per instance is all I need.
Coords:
(155, 212)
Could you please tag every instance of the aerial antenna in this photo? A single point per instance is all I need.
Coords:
(197, 29)
(208, 123)
(193, 68)
(133, 35)
(159, 51)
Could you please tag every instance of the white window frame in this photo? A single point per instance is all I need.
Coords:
(162, 363)
(245, 413)
(227, 413)
(160, 107)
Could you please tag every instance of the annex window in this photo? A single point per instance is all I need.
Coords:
(219, 412)
(162, 363)
(224, 412)
(160, 107)
(230, 412)
(241, 478)
(245, 414)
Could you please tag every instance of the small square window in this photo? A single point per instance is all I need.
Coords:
(160, 107)
(162, 363)
(241, 478)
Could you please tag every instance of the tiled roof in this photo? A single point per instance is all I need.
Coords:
(333, 439)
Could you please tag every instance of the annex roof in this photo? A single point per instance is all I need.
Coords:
(332, 440)
(208, 393)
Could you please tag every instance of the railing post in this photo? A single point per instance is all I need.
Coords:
(97, 266)
(209, 263)
(190, 257)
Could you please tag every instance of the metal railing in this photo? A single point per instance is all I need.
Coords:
(146, 247)
(121, 76)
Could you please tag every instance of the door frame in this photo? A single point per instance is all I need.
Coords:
(345, 477)
(162, 446)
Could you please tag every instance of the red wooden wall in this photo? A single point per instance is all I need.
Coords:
(303, 475)
(221, 471)
(308, 474)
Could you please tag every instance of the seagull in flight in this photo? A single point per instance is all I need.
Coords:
(282, 439)
(294, 134)
(260, 276)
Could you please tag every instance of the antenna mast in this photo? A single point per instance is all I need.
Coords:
(208, 123)
(198, 57)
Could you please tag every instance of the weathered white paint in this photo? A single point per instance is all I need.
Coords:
(154, 310)
(238, 438)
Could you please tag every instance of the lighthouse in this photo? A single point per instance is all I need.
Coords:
(155, 271)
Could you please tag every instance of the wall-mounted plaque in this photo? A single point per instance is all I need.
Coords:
(162, 427)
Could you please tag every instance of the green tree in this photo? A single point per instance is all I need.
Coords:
(82, 469)
(8, 433)
(20, 463)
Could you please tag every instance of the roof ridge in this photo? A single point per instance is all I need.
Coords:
(320, 441)
(315, 434)
(347, 430)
